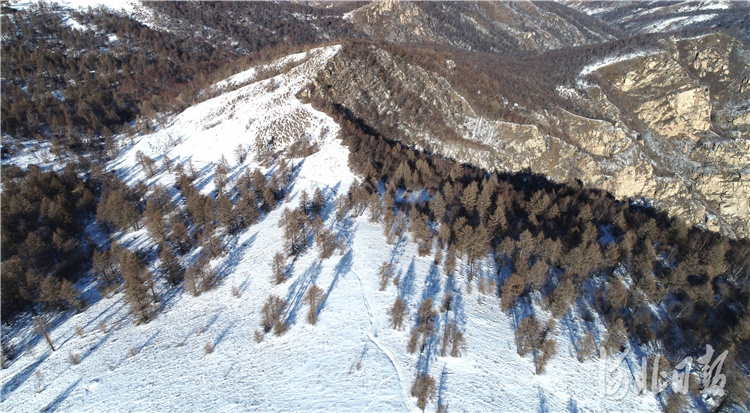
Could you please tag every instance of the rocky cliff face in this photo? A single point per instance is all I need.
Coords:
(638, 17)
(661, 94)
(670, 124)
(509, 27)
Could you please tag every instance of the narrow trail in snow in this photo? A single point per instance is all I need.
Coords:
(375, 327)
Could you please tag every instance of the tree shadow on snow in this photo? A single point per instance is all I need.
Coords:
(543, 408)
(54, 404)
(406, 283)
(432, 283)
(398, 249)
(330, 194)
(298, 289)
(147, 342)
(16, 381)
(572, 406)
(98, 343)
(233, 259)
(457, 303)
(342, 268)
(204, 177)
(223, 334)
(346, 230)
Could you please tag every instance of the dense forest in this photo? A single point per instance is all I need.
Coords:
(76, 87)
(44, 241)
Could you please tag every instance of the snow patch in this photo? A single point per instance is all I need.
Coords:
(610, 60)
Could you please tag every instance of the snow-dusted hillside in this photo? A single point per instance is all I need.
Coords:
(351, 360)
(261, 114)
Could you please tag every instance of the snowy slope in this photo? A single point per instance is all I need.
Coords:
(258, 114)
(350, 361)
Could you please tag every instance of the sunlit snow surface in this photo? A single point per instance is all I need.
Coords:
(350, 361)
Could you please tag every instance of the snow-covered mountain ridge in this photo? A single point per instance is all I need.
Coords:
(462, 224)
(350, 360)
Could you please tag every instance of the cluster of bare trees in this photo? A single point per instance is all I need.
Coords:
(304, 224)
(201, 220)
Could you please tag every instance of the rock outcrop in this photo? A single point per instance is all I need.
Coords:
(510, 27)
(661, 94)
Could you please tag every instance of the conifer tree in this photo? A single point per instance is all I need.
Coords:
(196, 208)
(397, 313)
(453, 340)
(450, 261)
(469, 197)
(498, 223)
(272, 315)
(138, 286)
(423, 389)
(269, 198)
(227, 213)
(533, 337)
(484, 202)
(41, 326)
(180, 236)
(478, 243)
(438, 259)
(170, 265)
(538, 274)
(247, 209)
(147, 164)
(220, 174)
(304, 202)
(240, 154)
(279, 268)
(155, 222)
(444, 234)
(511, 289)
(537, 205)
(211, 242)
(209, 211)
(295, 232)
(106, 270)
(643, 259)
(403, 175)
(326, 243)
(437, 207)
(715, 258)
(314, 297)
(426, 320)
(376, 207)
(563, 296)
(385, 272)
(318, 202)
